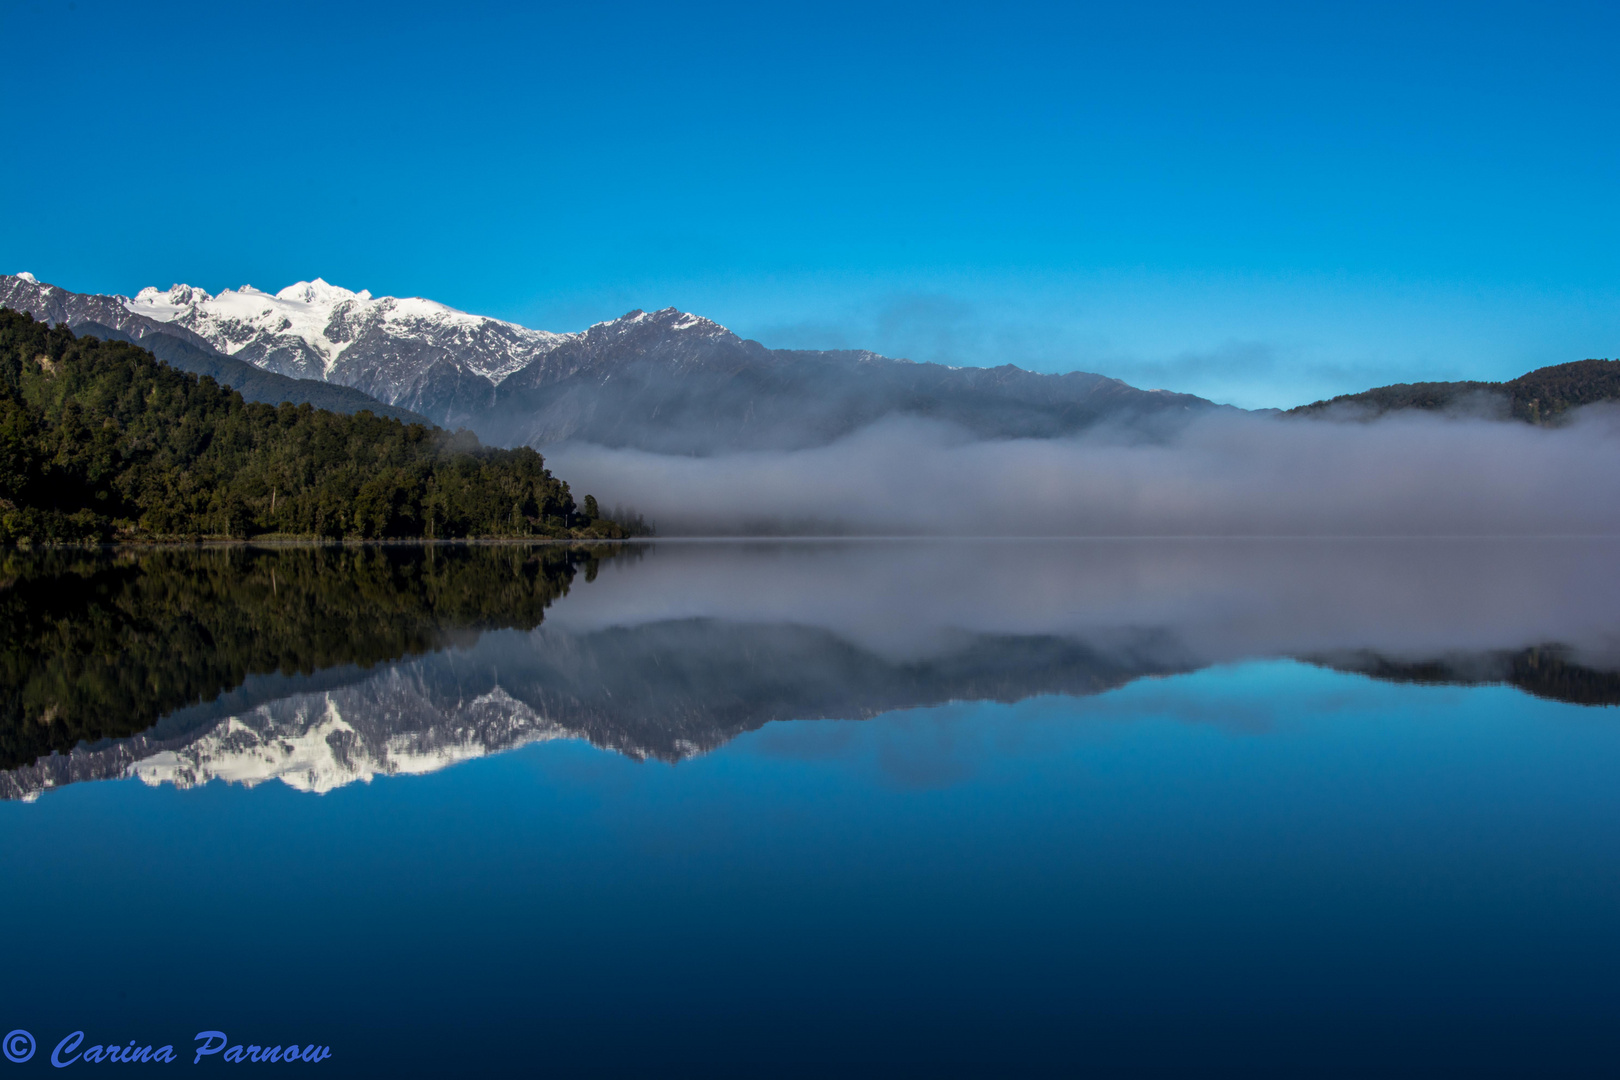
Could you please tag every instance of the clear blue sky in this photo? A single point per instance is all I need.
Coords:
(1261, 203)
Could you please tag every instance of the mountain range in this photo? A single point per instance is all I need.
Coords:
(664, 381)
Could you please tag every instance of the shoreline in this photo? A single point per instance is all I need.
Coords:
(279, 542)
(501, 541)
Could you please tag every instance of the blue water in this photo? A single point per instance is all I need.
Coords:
(843, 811)
(1260, 867)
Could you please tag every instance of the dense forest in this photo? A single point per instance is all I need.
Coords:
(1543, 396)
(100, 441)
(253, 383)
(101, 643)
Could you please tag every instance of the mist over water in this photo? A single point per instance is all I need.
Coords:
(347, 664)
(946, 771)
(1226, 474)
(1170, 602)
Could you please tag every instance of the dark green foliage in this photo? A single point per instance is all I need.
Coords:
(254, 384)
(99, 644)
(1431, 396)
(100, 441)
(1547, 393)
(1543, 396)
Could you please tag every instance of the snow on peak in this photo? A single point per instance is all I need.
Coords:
(318, 292)
(319, 322)
(237, 318)
(687, 320)
(30, 278)
(168, 305)
(674, 318)
(671, 318)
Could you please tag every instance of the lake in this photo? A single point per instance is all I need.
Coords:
(782, 808)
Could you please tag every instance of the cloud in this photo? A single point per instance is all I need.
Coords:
(1222, 475)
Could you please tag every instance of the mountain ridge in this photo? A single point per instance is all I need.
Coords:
(664, 381)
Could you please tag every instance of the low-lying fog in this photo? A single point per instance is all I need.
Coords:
(1406, 474)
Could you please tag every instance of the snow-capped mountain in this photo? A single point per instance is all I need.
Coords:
(410, 352)
(665, 380)
(117, 317)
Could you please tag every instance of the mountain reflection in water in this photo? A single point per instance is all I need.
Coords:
(322, 666)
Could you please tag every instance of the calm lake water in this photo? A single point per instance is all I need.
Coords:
(821, 808)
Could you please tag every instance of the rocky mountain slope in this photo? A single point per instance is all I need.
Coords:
(408, 352)
(663, 381)
(671, 382)
(110, 318)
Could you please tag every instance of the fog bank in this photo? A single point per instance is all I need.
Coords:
(1406, 474)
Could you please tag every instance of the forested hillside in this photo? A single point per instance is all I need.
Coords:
(101, 441)
(1542, 396)
(254, 384)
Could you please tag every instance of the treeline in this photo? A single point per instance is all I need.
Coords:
(102, 643)
(100, 441)
(1546, 394)
(1543, 396)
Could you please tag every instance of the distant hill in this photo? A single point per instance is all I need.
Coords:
(663, 381)
(1542, 396)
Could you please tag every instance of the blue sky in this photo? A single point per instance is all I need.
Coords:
(1260, 203)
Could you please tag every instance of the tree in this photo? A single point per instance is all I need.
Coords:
(100, 441)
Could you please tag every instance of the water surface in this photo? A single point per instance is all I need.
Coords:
(955, 808)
